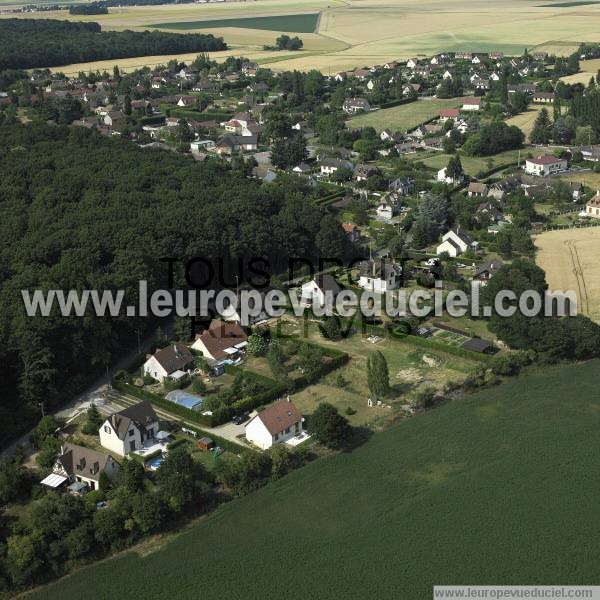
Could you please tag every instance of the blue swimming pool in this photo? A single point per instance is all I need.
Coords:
(155, 462)
(186, 399)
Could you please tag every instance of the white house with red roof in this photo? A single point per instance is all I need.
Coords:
(275, 424)
(545, 165)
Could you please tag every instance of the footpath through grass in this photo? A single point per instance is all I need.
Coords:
(499, 488)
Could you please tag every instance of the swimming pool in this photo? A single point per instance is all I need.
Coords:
(186, 399)
(155, 462)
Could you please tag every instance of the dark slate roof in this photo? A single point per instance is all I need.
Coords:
(327, 283)
(141, 414)
(478, 345)
(174, 357)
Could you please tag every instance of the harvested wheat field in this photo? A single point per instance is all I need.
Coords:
(570, 259)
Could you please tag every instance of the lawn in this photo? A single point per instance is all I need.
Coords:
(347, 387)
(498, 488)
(405, 116)
(303, 23)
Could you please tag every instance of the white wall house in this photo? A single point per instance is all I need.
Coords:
(130, 429)
(318, 290)
(455, 243)
(221, 341)
(274, 425)
(174, 361)
(81, 465)
(381, 275)
(545, 165)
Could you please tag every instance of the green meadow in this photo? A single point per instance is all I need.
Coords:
(303, 23)
(498, 488)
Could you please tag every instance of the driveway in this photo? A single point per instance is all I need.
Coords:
(229, 431)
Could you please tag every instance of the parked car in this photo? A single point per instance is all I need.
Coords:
(239, 419)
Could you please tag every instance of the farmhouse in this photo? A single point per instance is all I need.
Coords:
(545, 165)
(330, 165)
(590, 153)
(319, 290)
(172, 361)
(352, 232)
(379, 275)
(355, 105)
(221, 341)
(592, 208)
(130, 429)
(449, 113)
(477, 189)
(471, 103)
(403, 186)
(543, 97)
(274, 425)
(455, 242)
(79, 465)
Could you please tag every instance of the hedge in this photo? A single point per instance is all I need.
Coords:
(222, 442)
(433, 345)
(166, 405)
(152, 120)
(393, 103)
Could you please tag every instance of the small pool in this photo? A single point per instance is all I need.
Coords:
(155, 462)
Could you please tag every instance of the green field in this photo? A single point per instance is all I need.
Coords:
(498, 488)
(405, 116)
(303, 23)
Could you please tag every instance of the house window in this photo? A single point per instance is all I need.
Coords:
(296, 427)
(276, 436)
(131, 432)
(287, 430)
(107, 429)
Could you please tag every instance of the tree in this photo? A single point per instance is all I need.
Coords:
(286, 153)
(94, 421)
(378, 376)
(542, 128)
(131, 476)
(257, 345)
(454, 168)
(328, 427)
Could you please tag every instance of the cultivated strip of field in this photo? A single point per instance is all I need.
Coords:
(494, 473)
(304, 23)
(570, 259)
(588, 69)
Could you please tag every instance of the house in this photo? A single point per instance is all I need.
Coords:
(476, 60)
(499, 189)
(302, 169)
(355, 105)
(471, 103)
(447, 75)
(274, 425)
(379, 275)
(455, 242)
(543, 97)
(319, 290)
(363, 172)
(384, 211)
(187, 101)
(592, 207)
(330, 165)
(463, 55)
(485, 271)
(79, 465)
(590, 153)
(391, 65)
(232, 312)
(522, 88)
(264, 173)
(173, 361)
(411, 88)
(496, 55)
(229, 144)
(352, 232)
(488, 211)
(449, 113)
(545, 165)
(477, 190)
(221, 341)
(442, 177)
(130, 429)
(481, 85)
(115, 119)
(403, 186)
(423, 71)
(411, 63)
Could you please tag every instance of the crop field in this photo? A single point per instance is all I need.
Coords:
(589, 69)
(305, 23)
(496, 488)
(405, 116)
(570, 259)
(355, 33)
(525, 120)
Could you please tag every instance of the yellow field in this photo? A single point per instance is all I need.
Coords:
(589, 68)
(588, 178)
(524, 121)
(570, 259)
(355, 33)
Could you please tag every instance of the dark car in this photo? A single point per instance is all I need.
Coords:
(239, 419)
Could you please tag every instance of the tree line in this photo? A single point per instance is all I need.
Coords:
(30, 43)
